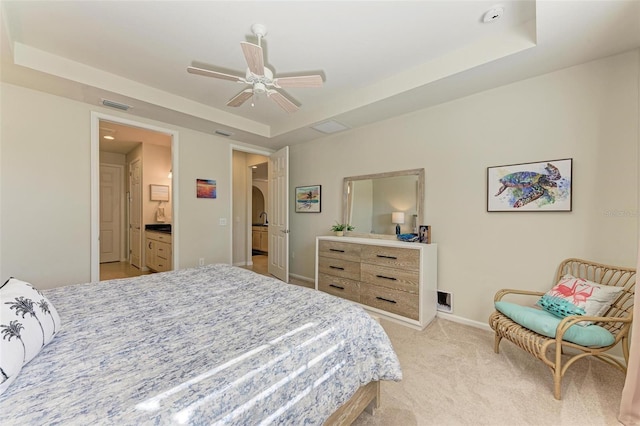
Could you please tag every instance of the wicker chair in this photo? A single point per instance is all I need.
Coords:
(550, 350)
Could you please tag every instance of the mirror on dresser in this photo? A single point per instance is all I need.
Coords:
(369, 202)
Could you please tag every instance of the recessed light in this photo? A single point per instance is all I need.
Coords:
(108, 137)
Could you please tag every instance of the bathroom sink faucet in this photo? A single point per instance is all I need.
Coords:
(266, 220)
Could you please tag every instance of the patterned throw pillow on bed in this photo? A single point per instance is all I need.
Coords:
(577, 296)
(28, 321)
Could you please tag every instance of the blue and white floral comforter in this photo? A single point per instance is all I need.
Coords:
(211, 345)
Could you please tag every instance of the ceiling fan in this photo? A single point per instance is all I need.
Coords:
(259, 77)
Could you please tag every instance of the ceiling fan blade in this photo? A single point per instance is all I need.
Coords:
(240, 98)
(253, 55)
(298, 81)
(282, 101)
(208, 73)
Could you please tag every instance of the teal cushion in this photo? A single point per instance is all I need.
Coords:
(544, 323)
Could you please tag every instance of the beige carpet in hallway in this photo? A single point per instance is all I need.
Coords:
(453, 377)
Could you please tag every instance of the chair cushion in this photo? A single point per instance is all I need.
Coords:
(542, 322)
(577, 296)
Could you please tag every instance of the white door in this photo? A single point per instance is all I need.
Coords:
(135, 189)
(279, 216)
(110, 208)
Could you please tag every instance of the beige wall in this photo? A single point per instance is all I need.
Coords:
(156, 163)
(45, 178)
(45, 182)
(589, 113)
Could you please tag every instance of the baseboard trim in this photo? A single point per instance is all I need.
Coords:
(461, 320)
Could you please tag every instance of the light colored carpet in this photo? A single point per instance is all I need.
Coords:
(452, 376)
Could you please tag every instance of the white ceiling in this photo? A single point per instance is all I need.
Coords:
(379, 59)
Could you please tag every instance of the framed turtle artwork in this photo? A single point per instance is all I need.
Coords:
(541, 186)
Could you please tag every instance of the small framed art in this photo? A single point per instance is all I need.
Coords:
(308, 199)
(541, 186)
(205, 188)
(424, 234)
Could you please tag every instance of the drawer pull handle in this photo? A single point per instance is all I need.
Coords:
(386, 300)
(387, 257)
(336, 286)
(339, 251)
(387, 278)
(336, 267)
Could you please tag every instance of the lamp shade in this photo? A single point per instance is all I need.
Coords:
(397, 217)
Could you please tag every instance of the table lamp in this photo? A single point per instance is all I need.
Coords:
(398, 219)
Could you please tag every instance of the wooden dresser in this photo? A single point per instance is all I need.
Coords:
(394, 279)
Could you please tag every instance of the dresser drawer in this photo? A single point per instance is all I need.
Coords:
(399, 279)
(339, 268)
(338, 286)
(395, 301)
(394, 257)
(339, 250)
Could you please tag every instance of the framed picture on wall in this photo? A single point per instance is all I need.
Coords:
(308, 199)
(205, 188)
(540, 186)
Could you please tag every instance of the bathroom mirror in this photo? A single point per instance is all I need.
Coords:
(159, 192)
(369, 202)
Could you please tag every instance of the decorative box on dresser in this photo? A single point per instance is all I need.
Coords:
(394, 279)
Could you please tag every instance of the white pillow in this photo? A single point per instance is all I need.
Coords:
(28, 322)
(577, 296)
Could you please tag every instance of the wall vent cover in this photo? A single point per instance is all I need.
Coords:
(223, 133)
(116, 105)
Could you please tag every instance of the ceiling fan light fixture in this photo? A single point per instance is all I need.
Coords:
(259, 88)
(260, 78)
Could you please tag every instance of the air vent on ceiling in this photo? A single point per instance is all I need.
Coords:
(223, 133)
(330, 126)
(116, 105)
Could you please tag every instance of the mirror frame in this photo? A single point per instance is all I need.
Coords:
(346, 208)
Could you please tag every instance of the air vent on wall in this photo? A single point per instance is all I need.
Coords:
(116, 105)
(223, 133)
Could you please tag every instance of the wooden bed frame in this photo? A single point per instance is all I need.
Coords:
(366, 398)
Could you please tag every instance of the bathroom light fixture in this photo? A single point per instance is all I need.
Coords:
(398, 219)
(108, 137)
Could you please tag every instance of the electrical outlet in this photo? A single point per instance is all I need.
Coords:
(223, 221)
(201, 261)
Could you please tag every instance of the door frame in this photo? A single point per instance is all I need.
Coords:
(265, 152)
(96, 117)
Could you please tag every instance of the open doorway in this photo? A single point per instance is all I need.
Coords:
(276, 210)
(260, 217)
(133, 161)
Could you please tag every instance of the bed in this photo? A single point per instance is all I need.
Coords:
(210, 345)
